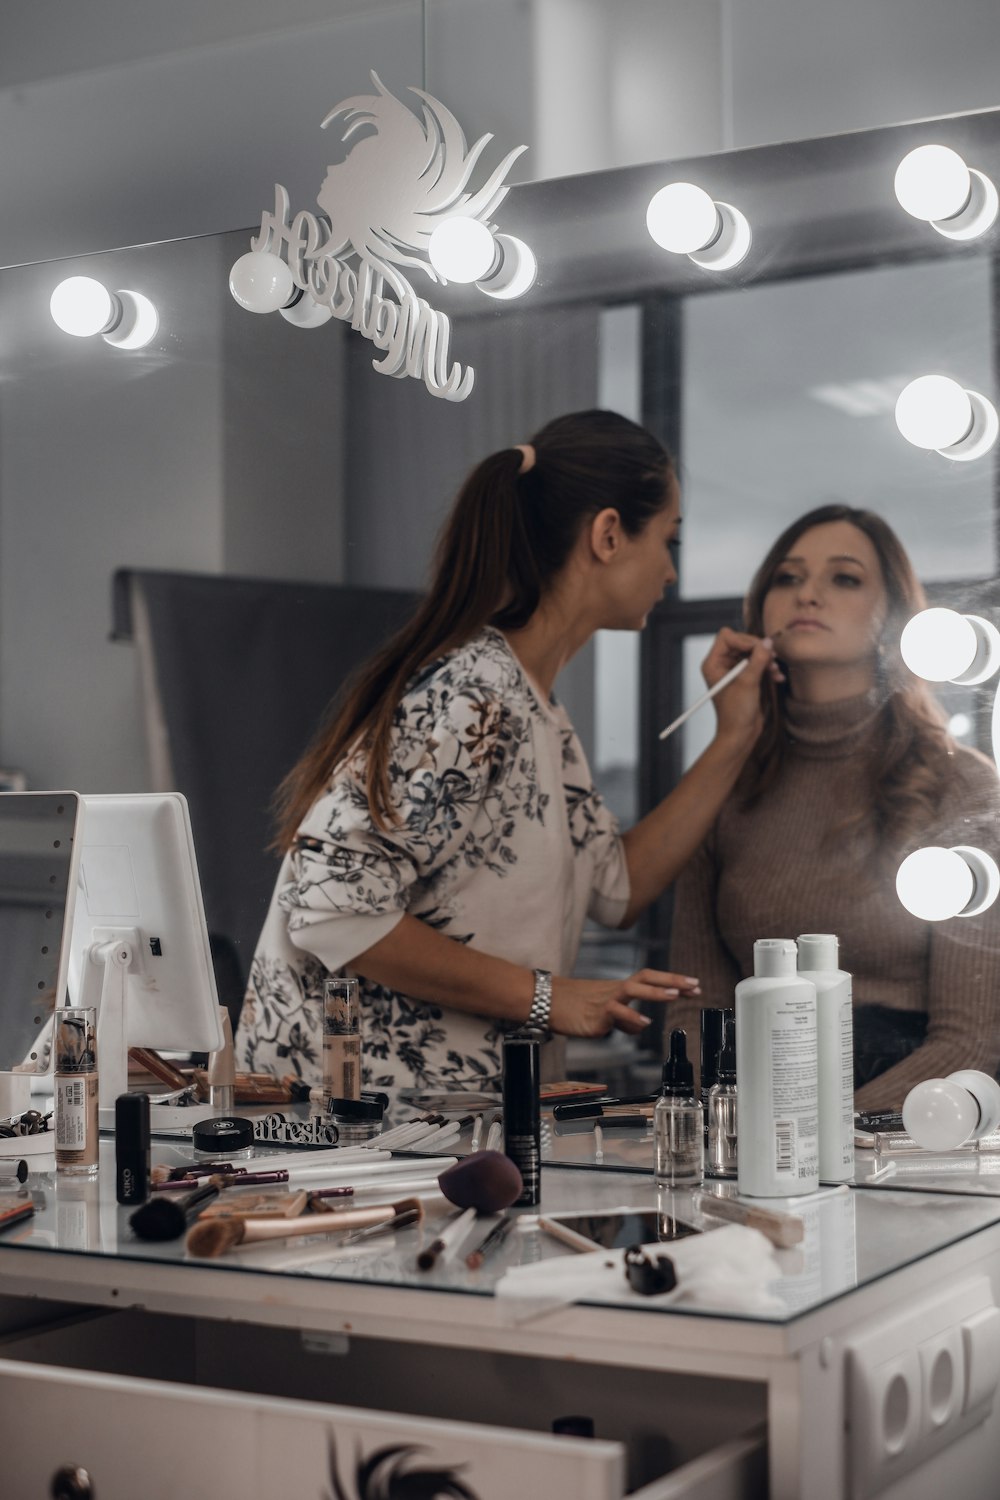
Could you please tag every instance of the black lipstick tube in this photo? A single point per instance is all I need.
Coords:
(522, 1115)
(132, 1148)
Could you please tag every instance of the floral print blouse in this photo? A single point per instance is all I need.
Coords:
(502, 843)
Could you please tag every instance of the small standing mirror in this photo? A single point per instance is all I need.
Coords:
(38, 846)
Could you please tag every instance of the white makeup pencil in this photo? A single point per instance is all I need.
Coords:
(494, 1136)
(723, 682)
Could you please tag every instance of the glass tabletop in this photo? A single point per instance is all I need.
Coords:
(851, 1238)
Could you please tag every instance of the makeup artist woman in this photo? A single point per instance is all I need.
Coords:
(854, 769)
(443, 839)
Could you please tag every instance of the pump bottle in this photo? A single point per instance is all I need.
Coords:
(776, 1067)
(678, 1121)
(818, 962)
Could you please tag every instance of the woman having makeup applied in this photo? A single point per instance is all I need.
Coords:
(442, 837)
(853, 770)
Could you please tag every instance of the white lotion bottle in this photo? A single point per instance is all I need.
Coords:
(777, 1075)
(941, 1114)
(818, 962)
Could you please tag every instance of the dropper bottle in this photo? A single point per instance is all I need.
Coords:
(721, 1107)
(678, 1121)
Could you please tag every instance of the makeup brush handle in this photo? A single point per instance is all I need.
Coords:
(723, 682)
(350, 1218)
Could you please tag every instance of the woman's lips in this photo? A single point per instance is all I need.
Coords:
(807, 625)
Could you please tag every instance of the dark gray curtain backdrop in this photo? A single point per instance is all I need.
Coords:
(237, 674)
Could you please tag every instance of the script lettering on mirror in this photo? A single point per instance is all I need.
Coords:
(399, 182)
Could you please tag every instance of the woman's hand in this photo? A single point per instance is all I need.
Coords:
(738, 707)
(593, 1007)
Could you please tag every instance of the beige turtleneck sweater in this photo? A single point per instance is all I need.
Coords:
(774, 871)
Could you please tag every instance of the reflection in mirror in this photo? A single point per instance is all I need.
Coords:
(237, 444)
(37, 884)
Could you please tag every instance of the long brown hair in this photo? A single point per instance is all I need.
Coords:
(909, 767)
(507, 537)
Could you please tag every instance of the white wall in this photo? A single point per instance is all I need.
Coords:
(122, 123)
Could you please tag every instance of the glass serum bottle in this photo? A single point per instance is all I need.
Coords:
(720, 1107)
(678, 1121)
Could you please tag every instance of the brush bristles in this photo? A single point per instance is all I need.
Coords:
(211, 1237)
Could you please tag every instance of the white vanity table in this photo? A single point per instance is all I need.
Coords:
(886, 1332)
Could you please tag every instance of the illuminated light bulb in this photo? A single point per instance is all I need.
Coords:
(933, 412)
(306, 312)
(261, 281)
(82, 306)
(462, 249)
(959, 726)
(516, 272)
(139, 322)
(933, 183)
(683, 219)
(940, 1115)
(935, 884)
(941, 645)
(938, 644)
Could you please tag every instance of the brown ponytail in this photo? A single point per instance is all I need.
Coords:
(506, 538)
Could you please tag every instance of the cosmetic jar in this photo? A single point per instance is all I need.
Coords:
(226, 1139)
(357, 1120)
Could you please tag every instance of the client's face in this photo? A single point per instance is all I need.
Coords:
(828, 599)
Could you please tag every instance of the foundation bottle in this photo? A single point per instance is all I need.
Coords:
(76, 1092)
(341, 1040)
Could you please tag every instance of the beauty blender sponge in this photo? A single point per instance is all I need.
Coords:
(487, 1181)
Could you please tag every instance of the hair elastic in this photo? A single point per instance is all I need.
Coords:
(527, 453)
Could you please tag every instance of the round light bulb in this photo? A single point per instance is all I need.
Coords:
(933, 411)
(932, 182)
(934, 884)
(939, 1114)
(682, 218)
(462, 249)
(938, 644)
(261, 281)
(81, 306)
(959, 726)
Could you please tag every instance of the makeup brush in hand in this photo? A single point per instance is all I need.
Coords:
(212, 1237)
(723, 682)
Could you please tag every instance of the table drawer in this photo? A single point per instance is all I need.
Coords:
(168, 1441)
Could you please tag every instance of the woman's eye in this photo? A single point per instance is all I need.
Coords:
(847, 580)
(784, 580)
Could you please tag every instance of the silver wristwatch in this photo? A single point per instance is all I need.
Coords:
(541, 1004)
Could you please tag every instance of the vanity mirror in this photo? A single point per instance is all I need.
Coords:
(238, 444)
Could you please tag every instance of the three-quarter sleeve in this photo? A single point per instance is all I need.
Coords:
(697, 949)
(963, 973)
(351, 880)
(611, 887)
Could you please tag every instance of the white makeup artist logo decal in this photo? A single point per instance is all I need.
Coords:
(381, 204)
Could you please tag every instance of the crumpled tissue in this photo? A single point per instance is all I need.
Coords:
(729, 1270)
